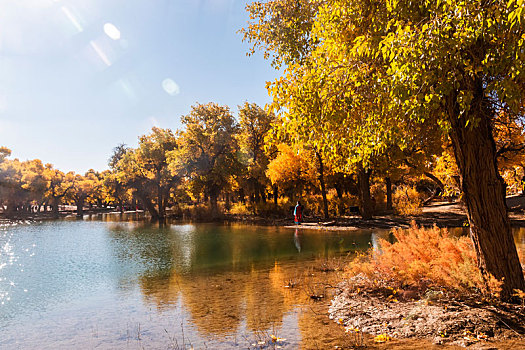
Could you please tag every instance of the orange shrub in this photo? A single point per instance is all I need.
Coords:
(422, 258)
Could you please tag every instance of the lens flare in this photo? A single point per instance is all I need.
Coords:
(72, 18)
(170, 87)
(100, 53)
(112, 31)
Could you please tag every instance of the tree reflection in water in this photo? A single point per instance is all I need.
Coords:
(233, 281)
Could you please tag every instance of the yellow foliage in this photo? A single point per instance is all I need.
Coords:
(288, 167)
(240, 209)
(447, 171)
(406, 200)
(513, 176)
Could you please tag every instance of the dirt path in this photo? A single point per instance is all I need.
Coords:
(442, 214)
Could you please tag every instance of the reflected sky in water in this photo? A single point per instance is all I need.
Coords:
(102, 283)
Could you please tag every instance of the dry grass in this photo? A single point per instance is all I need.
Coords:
(240, 209)
(424, 258)
(407, 201)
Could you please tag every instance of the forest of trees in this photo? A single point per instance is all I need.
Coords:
(380, 105)
(248, 165)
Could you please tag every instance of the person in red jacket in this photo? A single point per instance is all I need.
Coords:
(298, 213)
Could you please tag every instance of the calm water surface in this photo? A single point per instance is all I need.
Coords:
(128, 285)
(99, 284)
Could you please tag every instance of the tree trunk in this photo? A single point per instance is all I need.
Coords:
(160, 203)
(431, 176)
(121, 205)
(213, 203)
(262, 192)
(481, 183)
(365, 200)
(388, 183)
(242, 198)
(227, 205)
(150, 207)
(338, 190)
(275, 195)
(340, 203)
(11, 208)
(80, 207)
(56, 202)
(439, 187)
(323, 186)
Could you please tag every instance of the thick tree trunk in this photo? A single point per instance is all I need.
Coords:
(388, 184)
(214, 195)
(339, 191)
(150, 207)
(323, 186)
(481, 183)
(365, 200)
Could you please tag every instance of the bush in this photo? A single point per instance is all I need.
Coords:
(201, 211)
(423, 258)
(339, 206)
(406, 200)
(378, 192)
(313, 205)
(240, 208)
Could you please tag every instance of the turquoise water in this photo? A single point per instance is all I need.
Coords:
(113, 285)
(110, 284)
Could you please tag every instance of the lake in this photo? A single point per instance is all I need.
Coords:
(109, 284)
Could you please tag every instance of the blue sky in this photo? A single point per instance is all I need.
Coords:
(77, 77)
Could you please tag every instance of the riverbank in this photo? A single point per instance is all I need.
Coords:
(442, 214)
(436, 317)
(426, 285)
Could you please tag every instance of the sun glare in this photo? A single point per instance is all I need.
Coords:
(112, 31)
